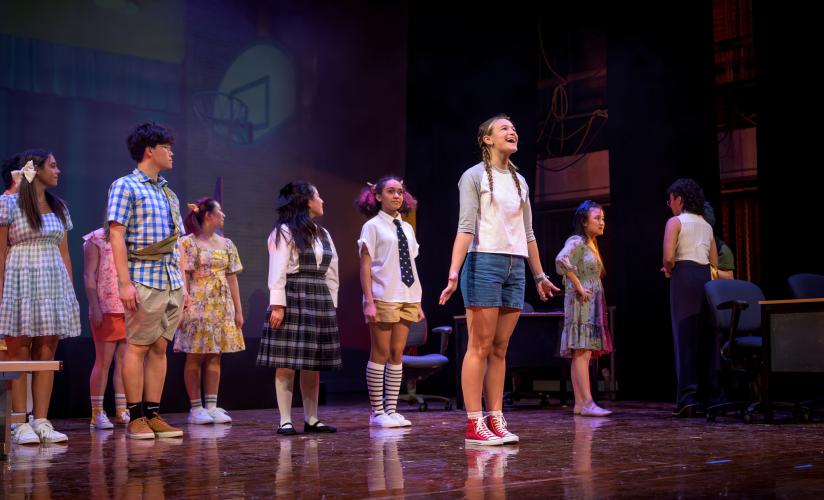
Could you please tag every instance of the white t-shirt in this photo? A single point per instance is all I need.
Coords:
(500, 220)
(380, 238)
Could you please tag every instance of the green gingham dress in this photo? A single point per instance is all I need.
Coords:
(38, 296)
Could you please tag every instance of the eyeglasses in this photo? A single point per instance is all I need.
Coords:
(165, 146)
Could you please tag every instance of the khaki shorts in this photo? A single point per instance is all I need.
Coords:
(157, 315)
(393, 312)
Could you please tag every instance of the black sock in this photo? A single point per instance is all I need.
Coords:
(135, 410)
(150, 409)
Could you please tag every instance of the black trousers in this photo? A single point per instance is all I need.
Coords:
(697, 351)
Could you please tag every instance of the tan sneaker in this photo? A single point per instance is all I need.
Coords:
(162, 429)
(139, 429)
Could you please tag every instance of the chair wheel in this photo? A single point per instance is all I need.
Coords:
(449, 405)
(711, 417)
(747, 418)
(508, 401)
(423, 407)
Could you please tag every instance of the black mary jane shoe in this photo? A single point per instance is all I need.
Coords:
(318, 427)
(686, 411)
(287, 429)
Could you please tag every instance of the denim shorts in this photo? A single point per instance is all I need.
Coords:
(493, 280)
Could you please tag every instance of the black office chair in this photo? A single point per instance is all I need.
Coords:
(418, 367)
(806, 286)
(737, 316)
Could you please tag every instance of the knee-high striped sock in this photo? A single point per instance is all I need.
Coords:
(374, 383)
(394, 377)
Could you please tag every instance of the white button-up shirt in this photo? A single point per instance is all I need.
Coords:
(284, 259)
(379, 236)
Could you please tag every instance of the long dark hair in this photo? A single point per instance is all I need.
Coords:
(28, 194)
(194, 219)
(367, 202)
(293, 212)
(691, 193)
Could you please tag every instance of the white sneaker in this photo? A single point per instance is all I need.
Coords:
(400, 419)
(100, 420)
(383, 420)
(44, 429)
(219, 415)
(200, 416)
(593, 410)
(24, 434)
(124, 417)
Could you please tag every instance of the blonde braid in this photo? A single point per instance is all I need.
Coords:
(488, 168)
(512, 170)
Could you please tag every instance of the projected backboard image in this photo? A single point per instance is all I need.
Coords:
(256, 94)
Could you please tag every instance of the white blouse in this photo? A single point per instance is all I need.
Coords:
(284, 260)
(694, 240)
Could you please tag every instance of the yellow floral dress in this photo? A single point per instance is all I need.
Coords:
(208, 325)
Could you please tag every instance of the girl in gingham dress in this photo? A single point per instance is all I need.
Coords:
(302, 332)
(39, 305)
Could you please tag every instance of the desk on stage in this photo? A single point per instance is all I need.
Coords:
(793, 351)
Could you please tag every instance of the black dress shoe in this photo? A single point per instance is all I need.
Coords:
(318, 427)
(287, 429)
(689, 410)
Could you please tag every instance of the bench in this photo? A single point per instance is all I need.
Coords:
(10, 370)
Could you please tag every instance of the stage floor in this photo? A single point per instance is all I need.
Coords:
(639, 452)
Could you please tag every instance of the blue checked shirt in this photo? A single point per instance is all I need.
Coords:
(141, 205)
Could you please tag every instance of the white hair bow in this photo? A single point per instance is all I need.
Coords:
(28, 171)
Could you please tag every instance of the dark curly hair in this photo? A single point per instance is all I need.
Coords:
(368, 204)
(691, 193)
(147, 135)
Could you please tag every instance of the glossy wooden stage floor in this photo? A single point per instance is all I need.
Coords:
(639, 452)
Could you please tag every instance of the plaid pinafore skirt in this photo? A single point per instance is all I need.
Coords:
(308, 337)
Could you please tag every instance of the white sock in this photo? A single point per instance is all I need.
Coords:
(119, 401)
(211, 401)
(496, 413)
(474, 415)
(374, 384)
(283, 391)
(97, 403)
(196, 403)
(394, 377)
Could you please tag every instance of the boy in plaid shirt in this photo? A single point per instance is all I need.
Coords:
(145, 223)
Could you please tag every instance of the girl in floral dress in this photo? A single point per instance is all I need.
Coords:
(586, 330)
(213, 321)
